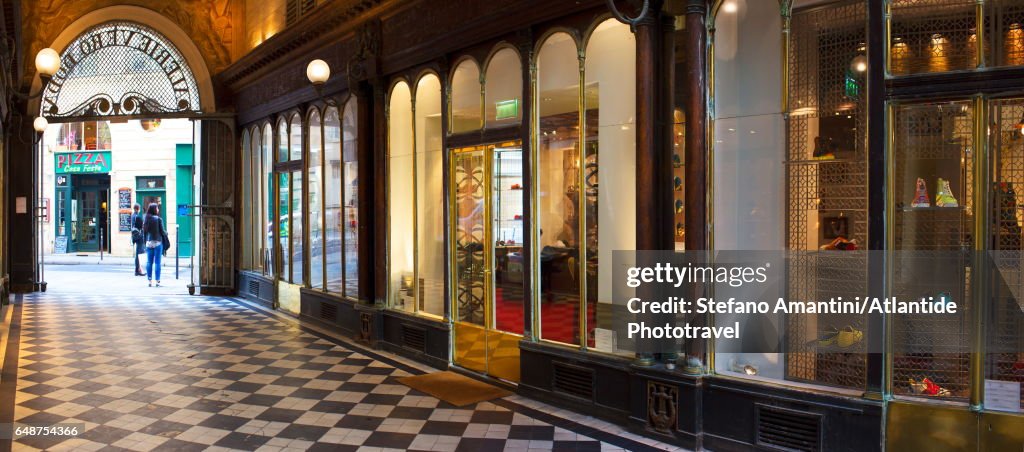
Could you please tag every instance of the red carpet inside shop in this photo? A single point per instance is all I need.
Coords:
(558, 316)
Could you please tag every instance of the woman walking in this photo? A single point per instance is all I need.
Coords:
(153, 230)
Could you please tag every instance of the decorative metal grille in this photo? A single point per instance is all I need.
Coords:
(827, 117)
(933, 36)
(1004, 22)
(120, 68)
(1005, 340)
(931, 141)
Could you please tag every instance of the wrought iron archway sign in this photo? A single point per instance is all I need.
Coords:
(119, 69)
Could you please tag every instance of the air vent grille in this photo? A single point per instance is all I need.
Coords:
(414, 338)
(789, 430)
(254, 288)
(328, 311)
(574, 380)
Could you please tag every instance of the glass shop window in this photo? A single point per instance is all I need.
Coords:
(255, 201)
(401, 200)
(826, 193)
(1004, 345)
(465, 103)
(504, 88)
(558, 187)
(610, 157)
(267, 197)
(797, 186)
(297, 212)
(749, 149)
(430, 249)
(575, 151)
(246, 201)
(333, 238)
(350, 183)
(933, 231)
(316, 203)
(933, 36)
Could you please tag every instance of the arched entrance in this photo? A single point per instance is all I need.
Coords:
(122, 64)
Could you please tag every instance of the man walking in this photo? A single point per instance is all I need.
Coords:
(137, 240)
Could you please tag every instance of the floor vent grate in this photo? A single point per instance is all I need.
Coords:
(328, 311)
(573, 380)
(414, 338)
(788, 430)
(254, 288)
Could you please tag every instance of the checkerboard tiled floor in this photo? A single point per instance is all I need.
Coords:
(202, 373)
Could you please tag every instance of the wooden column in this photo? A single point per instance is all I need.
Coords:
(653, 188)
(695, 160)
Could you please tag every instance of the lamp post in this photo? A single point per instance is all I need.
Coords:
(39, 124)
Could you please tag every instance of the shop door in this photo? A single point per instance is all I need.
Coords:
(88, 232)
(487, 232)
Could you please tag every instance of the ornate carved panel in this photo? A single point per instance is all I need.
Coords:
(662, 407)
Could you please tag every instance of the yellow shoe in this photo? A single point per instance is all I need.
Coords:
(849, 336)
(944, 196)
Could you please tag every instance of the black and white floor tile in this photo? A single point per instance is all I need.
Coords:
(170, 372)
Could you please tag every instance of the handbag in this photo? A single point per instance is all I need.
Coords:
(166, 240)
(136, 236)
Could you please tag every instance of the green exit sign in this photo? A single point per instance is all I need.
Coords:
(506, 109)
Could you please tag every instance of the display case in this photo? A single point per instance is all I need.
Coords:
(932, 242)
(826, 193)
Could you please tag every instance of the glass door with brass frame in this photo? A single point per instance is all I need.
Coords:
(487, 258)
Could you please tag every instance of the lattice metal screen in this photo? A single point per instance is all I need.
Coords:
(933, 141)
(120, 68)
(826, 186)
(1005, 342)
(933, 36)
(1004, 24)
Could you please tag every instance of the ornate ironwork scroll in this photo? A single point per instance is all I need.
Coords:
(120, 68)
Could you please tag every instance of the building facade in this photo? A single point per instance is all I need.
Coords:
(455, 190)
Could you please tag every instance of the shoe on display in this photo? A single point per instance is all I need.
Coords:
(840, 244)
(822, 150)
(679, 206)
(935, 390)
(921, 195)
(676, 163)
(944, 196)
(680, 231)
(737, 367)
(849, 336)
(917, 387)
(827, 338)
(677, 183)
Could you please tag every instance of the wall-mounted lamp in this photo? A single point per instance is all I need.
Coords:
(40, 124)
(317, 71)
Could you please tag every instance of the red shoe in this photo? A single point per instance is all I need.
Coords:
(930, 388)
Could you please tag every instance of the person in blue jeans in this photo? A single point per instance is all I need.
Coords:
(153, 231)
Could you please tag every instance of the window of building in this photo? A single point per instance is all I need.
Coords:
(267, 197)
(246, 165)
(350, 196)
(466, 113)
(333, 207)
(401, 200)
(416, 195)
(572, 248)
(297, 212)
(558, 185)
(504, 88)
(315, 191)
(83, 136)
(430, 250)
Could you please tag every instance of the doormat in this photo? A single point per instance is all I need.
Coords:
(458, 390)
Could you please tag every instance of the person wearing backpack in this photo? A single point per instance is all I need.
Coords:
(155, 236)
(137, 239)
